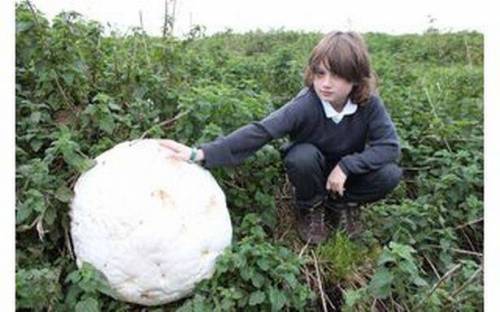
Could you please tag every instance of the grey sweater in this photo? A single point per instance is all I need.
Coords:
(361, 142)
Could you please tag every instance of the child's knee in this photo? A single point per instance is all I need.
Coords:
(303, 156)
(390, 175)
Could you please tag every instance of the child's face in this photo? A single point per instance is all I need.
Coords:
(330, 87)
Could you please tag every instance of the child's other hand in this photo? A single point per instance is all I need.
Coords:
(336, 180)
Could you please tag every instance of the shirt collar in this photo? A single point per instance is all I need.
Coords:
(348, 109)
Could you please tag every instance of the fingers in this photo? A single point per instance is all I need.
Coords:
(335, 187)
(341, 191)
(180, 151)
(178, 156)
(168, 144)
(177, 147)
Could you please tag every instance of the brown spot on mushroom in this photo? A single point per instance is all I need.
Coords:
(205, 252)
(165, 198)
(146, 295)
(212, 204)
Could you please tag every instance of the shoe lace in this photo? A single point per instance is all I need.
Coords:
(352, 216)
(316, 218)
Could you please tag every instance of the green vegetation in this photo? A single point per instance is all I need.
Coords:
(79, 92)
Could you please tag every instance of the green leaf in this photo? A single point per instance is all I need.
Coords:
(263, 264)
(107, 124)
(23, 212)
(404, 251)
(380, 284)
(290, 279)
(258, 280)
(87, 305)
(37, 288)
(23, 26)
(64, 194)
(94, 280)
(385, 257)
(114, 106)
(353, 296)
(420, 282)
(50, 215)
(35, 117)
(73, 277)
(256, 298)
(409, 267)
(68, 78)
(36, 145)
(277, 299)
(34, 202)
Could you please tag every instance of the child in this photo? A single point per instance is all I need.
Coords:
(344, 146)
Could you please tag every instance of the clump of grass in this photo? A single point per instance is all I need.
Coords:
(345, 260)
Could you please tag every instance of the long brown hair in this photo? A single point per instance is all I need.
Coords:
(344, 54)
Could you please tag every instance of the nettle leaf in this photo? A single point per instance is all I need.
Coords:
(263, 264)
(290, 279)
(408, 267)
(96, 280)
(256, 298)
(277, 299)
(114, 106)
(227, 304)
(69, 149)
(37, 288)
(23, 212)
(68, 78)
(404, 251)
(73, 277)
(35, 117)
(88, 305)
(353, 296)
(36, 145)
(418, 281)
(34, 202)
(380, 284)
(36, 171)
(23, 26)
(50, 215)
(246, 273)
(106, 123)
(386, 257)
(258, 279)
(64, 194)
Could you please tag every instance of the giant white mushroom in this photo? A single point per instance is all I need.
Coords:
(151, 224)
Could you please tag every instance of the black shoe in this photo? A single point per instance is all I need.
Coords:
(347, 216)
(354, 226)
(311, 224)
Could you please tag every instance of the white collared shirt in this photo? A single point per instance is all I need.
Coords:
(348, 109)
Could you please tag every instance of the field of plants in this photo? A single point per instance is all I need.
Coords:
(79, 92)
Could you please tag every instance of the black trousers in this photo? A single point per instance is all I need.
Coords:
(308, 170)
